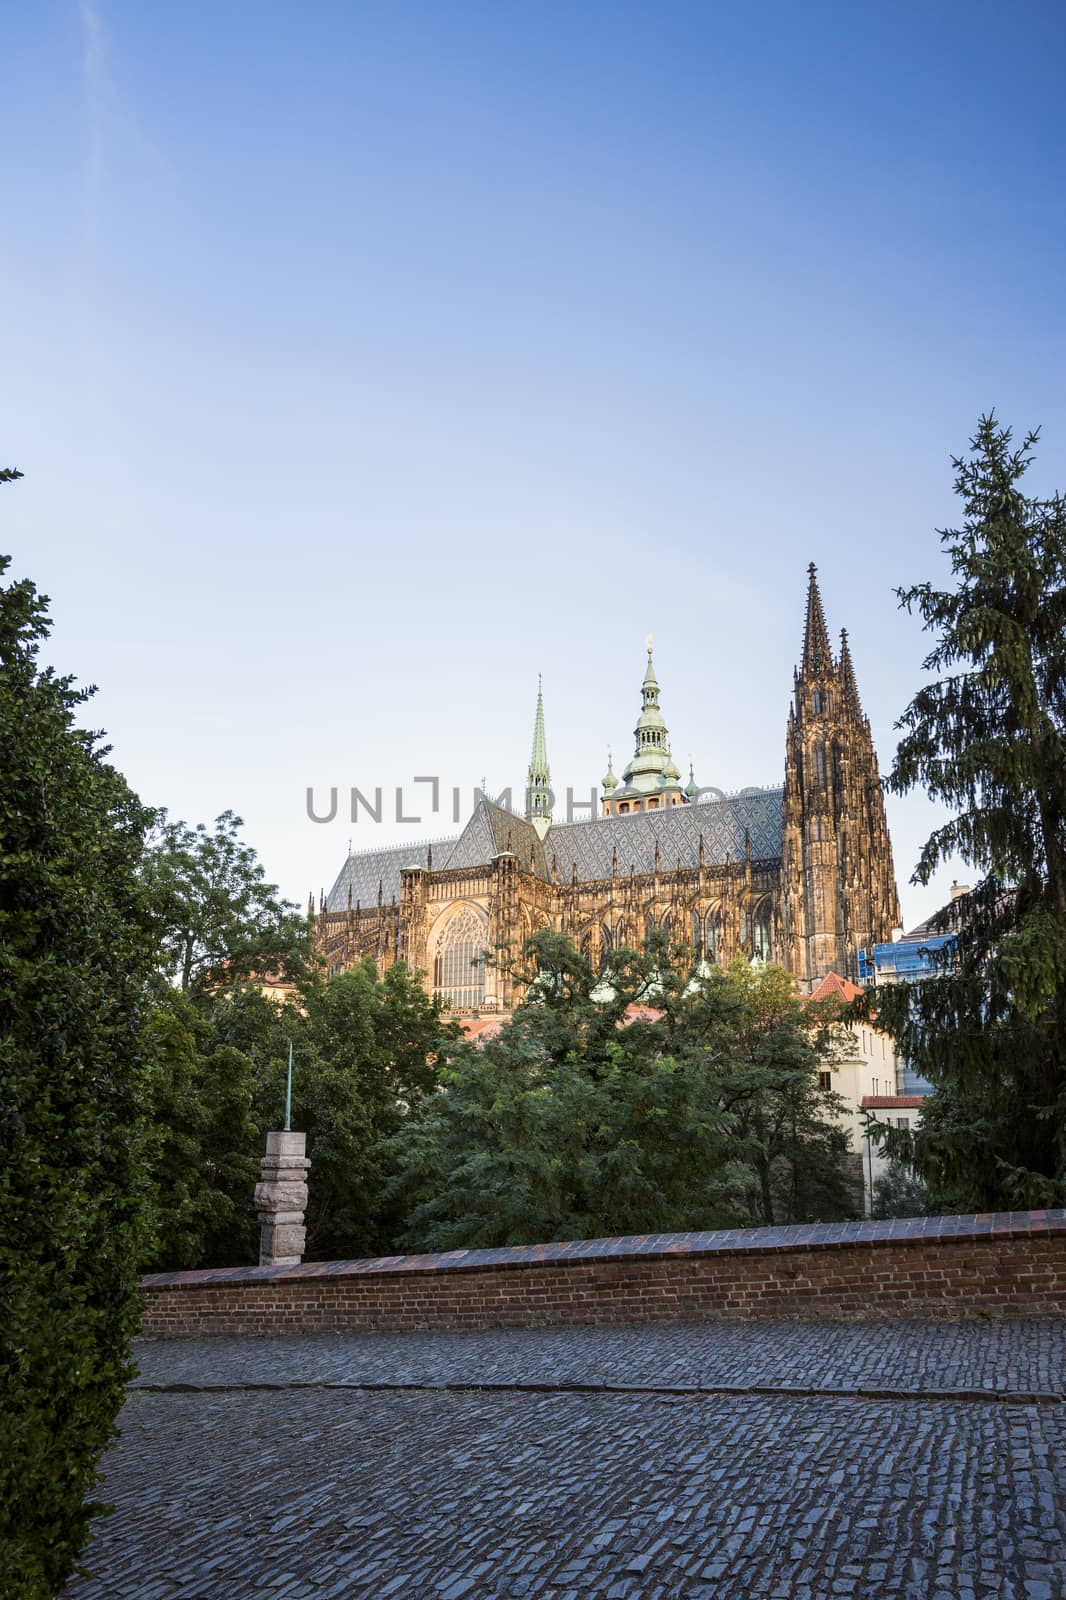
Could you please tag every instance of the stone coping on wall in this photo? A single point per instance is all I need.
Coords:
(908, 1231)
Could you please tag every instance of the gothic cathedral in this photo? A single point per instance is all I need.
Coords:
(800, 875)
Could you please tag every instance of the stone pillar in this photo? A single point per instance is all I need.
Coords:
(280, 1199)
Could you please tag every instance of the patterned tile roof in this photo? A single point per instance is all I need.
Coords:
(676, 830)
(490, 831)
(589, 845)
(365, 869)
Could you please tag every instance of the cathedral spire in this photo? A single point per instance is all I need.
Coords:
(847, 676)
(817, 656)
(538, 779)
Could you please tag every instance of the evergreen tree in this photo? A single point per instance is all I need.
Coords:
(74, 959)
(987, 737)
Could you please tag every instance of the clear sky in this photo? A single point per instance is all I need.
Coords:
(365, 360)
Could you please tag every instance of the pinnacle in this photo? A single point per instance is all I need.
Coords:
(847, 675)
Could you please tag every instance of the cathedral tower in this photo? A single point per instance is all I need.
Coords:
(839, 889)
(538, 778)
(651, 781)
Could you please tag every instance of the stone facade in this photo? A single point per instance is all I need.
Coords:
(800, 875)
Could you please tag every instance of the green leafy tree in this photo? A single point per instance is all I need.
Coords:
(795, 1150)
(74, 958)
(368, 1057)
(218, 921)
(987, 738)
(365, 1055)
(642, 1100)
(202, 1155)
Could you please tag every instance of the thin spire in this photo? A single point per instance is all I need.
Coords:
(650, 680)
(847, 676)
(538, 778)
(817, 656)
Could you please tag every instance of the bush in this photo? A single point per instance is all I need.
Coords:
(73, 959)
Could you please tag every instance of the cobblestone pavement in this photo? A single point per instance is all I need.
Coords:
(1012, 1357)
(340, 1494)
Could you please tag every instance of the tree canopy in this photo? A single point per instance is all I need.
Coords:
(987, 736)
(642, 1100)
(217, 920)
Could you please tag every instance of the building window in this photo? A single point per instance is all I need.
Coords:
(459, 961)
(825, 1080)
(761, 932)
(818, 702)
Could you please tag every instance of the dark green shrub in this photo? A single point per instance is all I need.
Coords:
(73, 960)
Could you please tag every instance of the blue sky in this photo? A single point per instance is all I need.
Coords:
(366, 360)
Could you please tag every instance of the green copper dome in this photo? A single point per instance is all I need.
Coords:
(651, 770)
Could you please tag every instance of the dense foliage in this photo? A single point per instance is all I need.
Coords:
(987, 737)
(641, 1101)
(365, 1051)
(74, 957)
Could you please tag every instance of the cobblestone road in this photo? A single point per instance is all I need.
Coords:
(458, 1495)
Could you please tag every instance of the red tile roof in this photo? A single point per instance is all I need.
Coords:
(482, 1027)
(638, 1012)
(833, 986)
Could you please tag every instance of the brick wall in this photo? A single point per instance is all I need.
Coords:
(1011, 1264)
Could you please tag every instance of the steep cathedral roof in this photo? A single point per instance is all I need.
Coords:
(492, 830)
(676, 831)
(367, 871)
(726, 827)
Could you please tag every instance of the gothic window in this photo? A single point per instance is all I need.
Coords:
(459, 961)
(586, 946)
(697, 933)
(761, 931)
(818, 702)
(838, 776)
(819, 765)
(606, 945)
(711, 944)
(649, 931)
